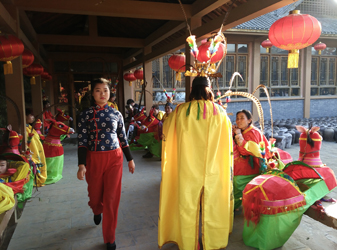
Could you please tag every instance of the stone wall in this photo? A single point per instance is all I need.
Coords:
(286, 109)
(323, 107)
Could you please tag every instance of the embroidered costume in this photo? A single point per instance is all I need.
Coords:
(113, 105)
(47, 117)
(247, 162)
(100, 133)
(196, 169)
(38, 156)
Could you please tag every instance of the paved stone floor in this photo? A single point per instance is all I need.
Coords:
(58, 217)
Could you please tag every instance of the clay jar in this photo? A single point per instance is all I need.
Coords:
(329, 134)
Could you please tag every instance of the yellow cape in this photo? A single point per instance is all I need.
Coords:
(197, 167)
(6, 198)
(38, 157)
(113, 105)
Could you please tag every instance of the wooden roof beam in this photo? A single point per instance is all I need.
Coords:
(28, 28)
(8, 24)
(202, 7)
(91, 41)
(112, 8)
(241, 14)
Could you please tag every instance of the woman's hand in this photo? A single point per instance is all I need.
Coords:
(236, 130)
(131, 165)
(81, 172)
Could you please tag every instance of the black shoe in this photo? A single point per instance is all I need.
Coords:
(110, 246)
(148, 155)
(97, 218)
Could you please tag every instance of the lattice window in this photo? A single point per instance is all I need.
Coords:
(274, 74)
(323, 75)
(319, 8)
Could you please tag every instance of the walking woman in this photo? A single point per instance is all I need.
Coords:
(101, 144)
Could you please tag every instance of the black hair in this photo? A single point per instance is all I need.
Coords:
(156, 106)
(93, 85)
(310, 141)
(168, 104)
(112, 94)
(29, 111)
(247, 114)
(45, 102)
(130, 101)
(201, 89)
(3, 158)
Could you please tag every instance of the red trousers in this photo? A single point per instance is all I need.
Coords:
(104, 178)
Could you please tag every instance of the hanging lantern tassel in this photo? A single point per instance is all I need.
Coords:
(293, 57)
(32, 80)
(262, 148)
(130, 84)
(8, 68)
(44, 84)
(142, 82)
(178, 76)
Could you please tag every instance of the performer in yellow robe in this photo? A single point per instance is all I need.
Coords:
(196, 170)
(36, 148)
(112, 100)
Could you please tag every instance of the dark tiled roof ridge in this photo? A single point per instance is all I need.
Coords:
(329, 25)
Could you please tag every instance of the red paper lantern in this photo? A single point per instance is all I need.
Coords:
(320, 46)
(130, 77)
(267, 45)
(204, 54)
(45, 76)
(33, 70)
(27, 58)
(10, 48)
(177, 63)
(139, 74)
(294, 32)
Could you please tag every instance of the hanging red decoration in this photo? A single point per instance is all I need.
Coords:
(294, 32)
(130, 77)
(27, 58)
(10, 48)
(205, 55)
(33, 70)
(319, 47)
(45, 76)
(177, 63)
(139, 74)
(267, 45)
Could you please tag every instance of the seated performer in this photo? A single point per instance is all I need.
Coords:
(246, 164)
(35, 146)
(3, 169)
(112, 100)
(157, 113)
(168, 110)
(47, 116)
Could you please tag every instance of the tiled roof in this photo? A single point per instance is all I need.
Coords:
(263, 23)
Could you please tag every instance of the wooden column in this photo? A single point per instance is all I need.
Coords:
(305, 79)
(254, 56)
(16, 113)
(15, 91)
(37, 98)
(71, 101)
(147, 67)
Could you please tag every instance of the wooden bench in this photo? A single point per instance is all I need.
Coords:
(328, 217)
(5, 218)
